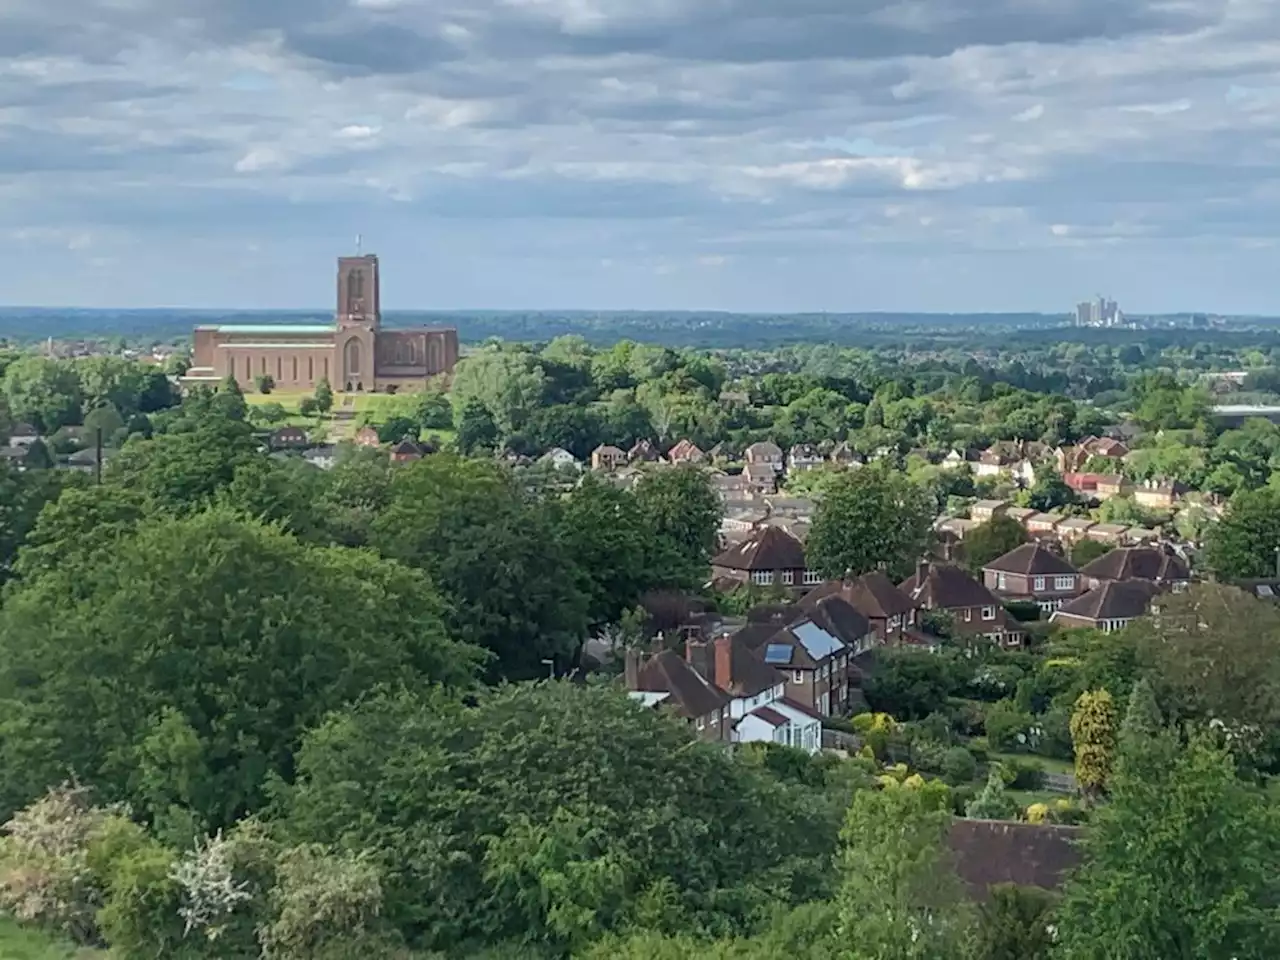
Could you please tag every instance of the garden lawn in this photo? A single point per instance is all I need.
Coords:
(1050, 764)
(18, 943)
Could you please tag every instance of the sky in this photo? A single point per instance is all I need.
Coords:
(747, 155)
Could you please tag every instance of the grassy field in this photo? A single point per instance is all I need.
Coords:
(1050, 765)
(17, 943)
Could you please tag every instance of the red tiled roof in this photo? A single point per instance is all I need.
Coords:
(770, 716)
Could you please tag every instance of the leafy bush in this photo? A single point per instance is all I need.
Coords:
(1007, 726)
(958, 766)
(927, 755)
(980, 747)
(1021, 774)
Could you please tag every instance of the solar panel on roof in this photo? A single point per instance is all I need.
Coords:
(777, 653)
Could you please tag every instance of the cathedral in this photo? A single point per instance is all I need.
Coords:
(353, 353)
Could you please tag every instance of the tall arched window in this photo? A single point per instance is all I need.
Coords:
(295, 369)
(351, 360)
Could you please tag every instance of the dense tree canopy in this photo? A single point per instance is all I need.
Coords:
(212, 640)
(870, 519)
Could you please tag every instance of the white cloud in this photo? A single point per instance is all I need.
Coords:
(1034, 112)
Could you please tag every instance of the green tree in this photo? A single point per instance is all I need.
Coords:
(512, 588)
(45, 393)
(22, 497)
(38, 456)
(1135, 896)
(992, 539)
(508, 381)
(1093, 734)
(871, 519)
(245, 633)
(1050, 491)
(1015, 923)
(498, 823)
(105, 418)
(1245, 541)
(397, 428)
(1086, 551)
(324, 395)
(899, 898)
(1142, 719)
(183, 469)
(434, 410)
(476, 428)
(679, 507)
(229, 400)
(264, 382)
(992, 802)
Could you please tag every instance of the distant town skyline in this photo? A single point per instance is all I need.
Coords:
(555, 154)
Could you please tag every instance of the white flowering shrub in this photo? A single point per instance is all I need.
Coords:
(210, 891)
(321, 900)
(45, 873)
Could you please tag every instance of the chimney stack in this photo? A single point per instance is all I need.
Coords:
(697, 653)
(724, 662)
(631, 670)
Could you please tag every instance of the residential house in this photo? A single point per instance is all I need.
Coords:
(1141, 535)
(406, 451)
(643, 451)
(1158, 494)
(288, 438)
(1095, 486)
(1107, 532)
(686, 451)
(814, 661)
(956, 527)
(367, 436)
(561, 459)
(1043, 524)
(1032, 572)
(83, 461)
(804, 457)
(761, 478)
(743, 519)
(890, 611)
(957, 458)
(1109, 607)
(975, 611)
(798, 508)
(759, 707)
(984, 510)
(1152, 564)
(608, 458)
(994, 462)
(843, 455)
(23, 435)
(731, 486)
(996, 853)
(769, 556)
(1020, 515)
(1074, 529)
(722, 453)
(765, 452)
(668, 681)
(14, 456)
(325, 457)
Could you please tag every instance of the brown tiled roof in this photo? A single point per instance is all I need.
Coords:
(801, 708)
(1031, 558)
(608, 450)
(760, 471)
(407, 447)
(751, 675)
(1140, 563)
(838, 617)
(770, 716)
(991, 852)
(684, 450)
(1113, 600)
(669, 673)
(765, 448)
(947, 587)
(873, 595)
(767, 548)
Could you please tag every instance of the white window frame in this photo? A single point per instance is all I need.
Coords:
(1064, 583)
(1002, 582)
(788, 577)
(797, 676)
(762, 578)
(1039, 584)
(988, 613)
(812, 577)
(968, 614)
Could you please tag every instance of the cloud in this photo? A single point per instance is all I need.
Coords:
(807, 155)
